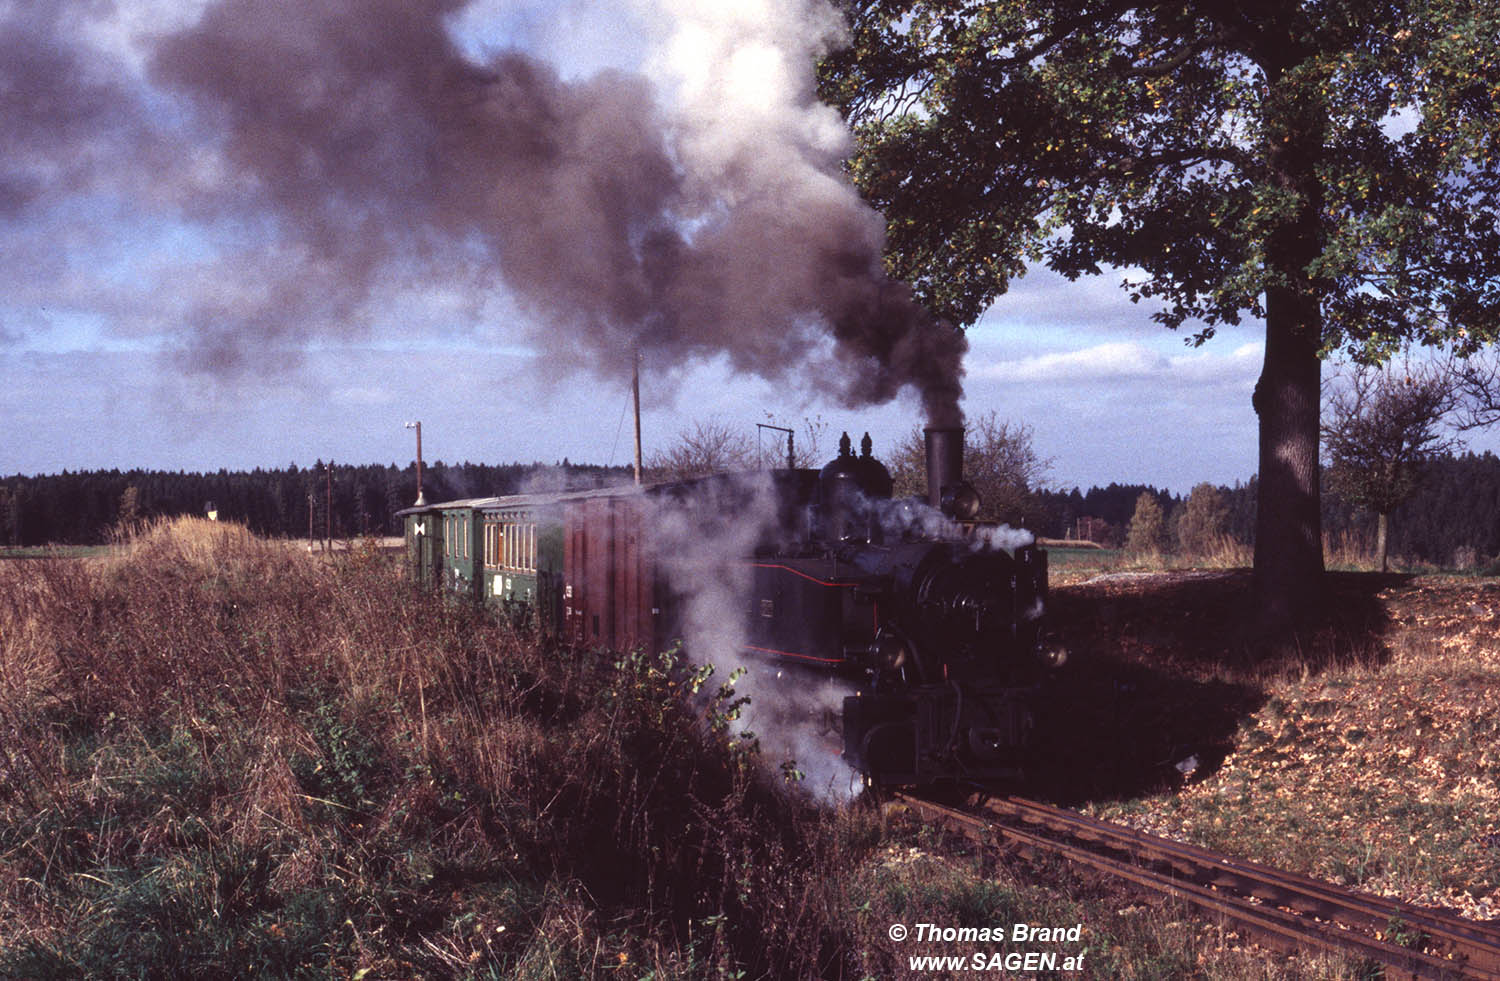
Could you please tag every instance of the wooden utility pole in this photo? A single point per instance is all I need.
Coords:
(328, 515)
(635, 395)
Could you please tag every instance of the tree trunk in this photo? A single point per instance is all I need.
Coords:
(1288, 531)
(1382, 523)
(1288, 519)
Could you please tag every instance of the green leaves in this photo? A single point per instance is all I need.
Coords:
(1345, 150)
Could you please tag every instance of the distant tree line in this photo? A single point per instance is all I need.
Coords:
(1451, 519)
(84, 507)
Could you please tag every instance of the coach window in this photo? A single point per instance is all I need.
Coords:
(518, 543)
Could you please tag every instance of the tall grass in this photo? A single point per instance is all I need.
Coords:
(225, 758)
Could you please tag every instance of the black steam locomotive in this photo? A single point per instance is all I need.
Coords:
(936, 621)
(940, 623)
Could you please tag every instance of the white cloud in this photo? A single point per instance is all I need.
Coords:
(1042, 296)
(363, 396)
(1122, 360)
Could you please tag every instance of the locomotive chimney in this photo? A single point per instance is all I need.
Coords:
(945, 461)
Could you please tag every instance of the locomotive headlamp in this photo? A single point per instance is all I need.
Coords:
(961, 501)
(887, 650)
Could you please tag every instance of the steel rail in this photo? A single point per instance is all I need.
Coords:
(1478, 944)
(1277, 908)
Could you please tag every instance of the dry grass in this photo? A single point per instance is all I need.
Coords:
(1225, 553)
(1370, 759)
(221, 757)
(1348, 552)
(231, 758)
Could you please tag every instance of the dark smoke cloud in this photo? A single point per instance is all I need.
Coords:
(64, 115)
(352, 145)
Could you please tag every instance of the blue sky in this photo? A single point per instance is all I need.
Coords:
(1108, 397)
(137, 247)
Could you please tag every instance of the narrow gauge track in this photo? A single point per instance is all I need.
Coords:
(1283, 910)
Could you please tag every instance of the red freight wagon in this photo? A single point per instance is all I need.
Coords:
(610, 582)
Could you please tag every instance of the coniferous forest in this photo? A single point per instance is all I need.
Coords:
(1453, 519)
(341, 500)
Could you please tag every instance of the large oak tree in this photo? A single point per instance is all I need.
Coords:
(1328, 168)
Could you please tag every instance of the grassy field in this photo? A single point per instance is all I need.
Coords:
(224, 758)
(52, 551)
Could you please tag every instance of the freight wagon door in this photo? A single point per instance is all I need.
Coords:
(632, 580)
(609, 588)
(588, 593)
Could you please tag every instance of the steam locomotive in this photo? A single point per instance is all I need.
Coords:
(937, 621)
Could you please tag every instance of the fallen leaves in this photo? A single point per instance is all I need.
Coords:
(1383, 774)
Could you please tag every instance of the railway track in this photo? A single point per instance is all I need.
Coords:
(1282, 910)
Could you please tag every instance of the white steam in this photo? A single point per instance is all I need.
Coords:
(701, 544)
(739, 75)
(911, 518)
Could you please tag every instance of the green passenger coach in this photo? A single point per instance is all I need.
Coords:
(505, 552)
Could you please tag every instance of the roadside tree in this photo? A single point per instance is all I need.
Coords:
(707, 447)
(1330, 169)
(1147, 535)
(1204, 523)
(1476, 389)
(999, 460)
(1384, 425)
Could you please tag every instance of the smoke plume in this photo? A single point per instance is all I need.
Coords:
(351, 148)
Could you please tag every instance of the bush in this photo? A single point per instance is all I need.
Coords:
(1148, 528)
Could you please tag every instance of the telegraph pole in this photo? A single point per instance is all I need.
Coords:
(635, 394)
(421, 501)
